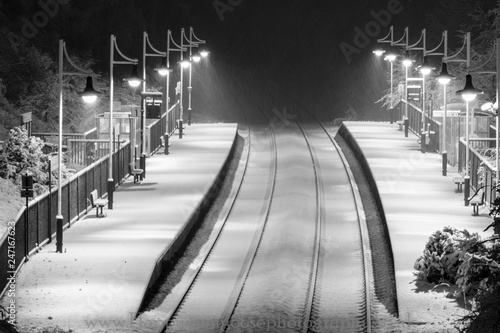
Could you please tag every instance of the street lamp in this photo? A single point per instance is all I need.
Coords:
(89, 95)
(407, 62)
(193, 41)
(391, 56)
(469, 93)
(184, 64)
(134, 80)
(425, 69)
(204, 53)
(164, 70)
(145, 54)
(444, 78)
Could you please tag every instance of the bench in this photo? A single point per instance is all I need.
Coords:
(459, 181)
(400, 124)
(477, 200)
(97, 203)
(135, 172)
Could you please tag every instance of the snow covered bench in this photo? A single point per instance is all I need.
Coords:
(400, 124)
(459, 181)
(135, 172)
(97, 203)
(477, 200)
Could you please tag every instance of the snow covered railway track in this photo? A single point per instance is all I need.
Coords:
(213, 291)
(293, 254)
(341, 300)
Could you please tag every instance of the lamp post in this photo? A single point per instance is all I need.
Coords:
(391, 56)
(493, 107)
(407, 62)
(444, 78)
(134, 81)
(184, 64)
(469, 93)
(145, 54)
(164, 70)
(425, 69)
(193, 42)
(89, 95)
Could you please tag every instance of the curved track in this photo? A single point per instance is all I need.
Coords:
(293, 254)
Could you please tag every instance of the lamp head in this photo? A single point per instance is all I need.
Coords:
(469, 93)
(196, 57)
(444, 77)
(426, 68)
(89, 94)
(390, 56)
(163, 70)
(134, 80)
(378, 52)
(407, 61)
(185, 63)
(204, 53)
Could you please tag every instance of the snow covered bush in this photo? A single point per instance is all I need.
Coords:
(23, 153)
(461, 258)
(442, 255)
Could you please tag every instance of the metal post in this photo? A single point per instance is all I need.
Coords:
(467, 176)
(59, 217)
(406, 121)
(190, 74)
(497, 120)
(182, 84)
(391, 111)
(110, 185)
(444, 153)
(167, 94)
(142, 158)
(422, 131)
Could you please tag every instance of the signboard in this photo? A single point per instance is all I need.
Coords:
(26, 122)
(27, 186)
(449, 113)
(414, 91)
(153, 109)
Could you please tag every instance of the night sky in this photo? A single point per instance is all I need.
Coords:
(264, 54)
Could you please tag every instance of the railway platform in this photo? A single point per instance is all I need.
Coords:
(98, 283)
(417, 201)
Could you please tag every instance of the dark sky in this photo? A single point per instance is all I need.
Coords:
(264, 53)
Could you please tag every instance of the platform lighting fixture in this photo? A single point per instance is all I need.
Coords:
(468, 94)
(89, 95)
(134, 80)
(196, 57)
(444, 78)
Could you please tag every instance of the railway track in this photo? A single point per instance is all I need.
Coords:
(293, 254)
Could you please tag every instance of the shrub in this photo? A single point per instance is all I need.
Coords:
(442, 255)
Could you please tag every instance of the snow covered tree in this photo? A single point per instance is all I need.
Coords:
(24, 153)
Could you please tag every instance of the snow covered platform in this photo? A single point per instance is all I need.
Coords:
(417, 201)
(109, 262)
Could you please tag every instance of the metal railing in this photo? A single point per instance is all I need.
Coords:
(36, 224)
(415, 125)
(87, 151)
(155, 132)
(476, 162)
(54, 137)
